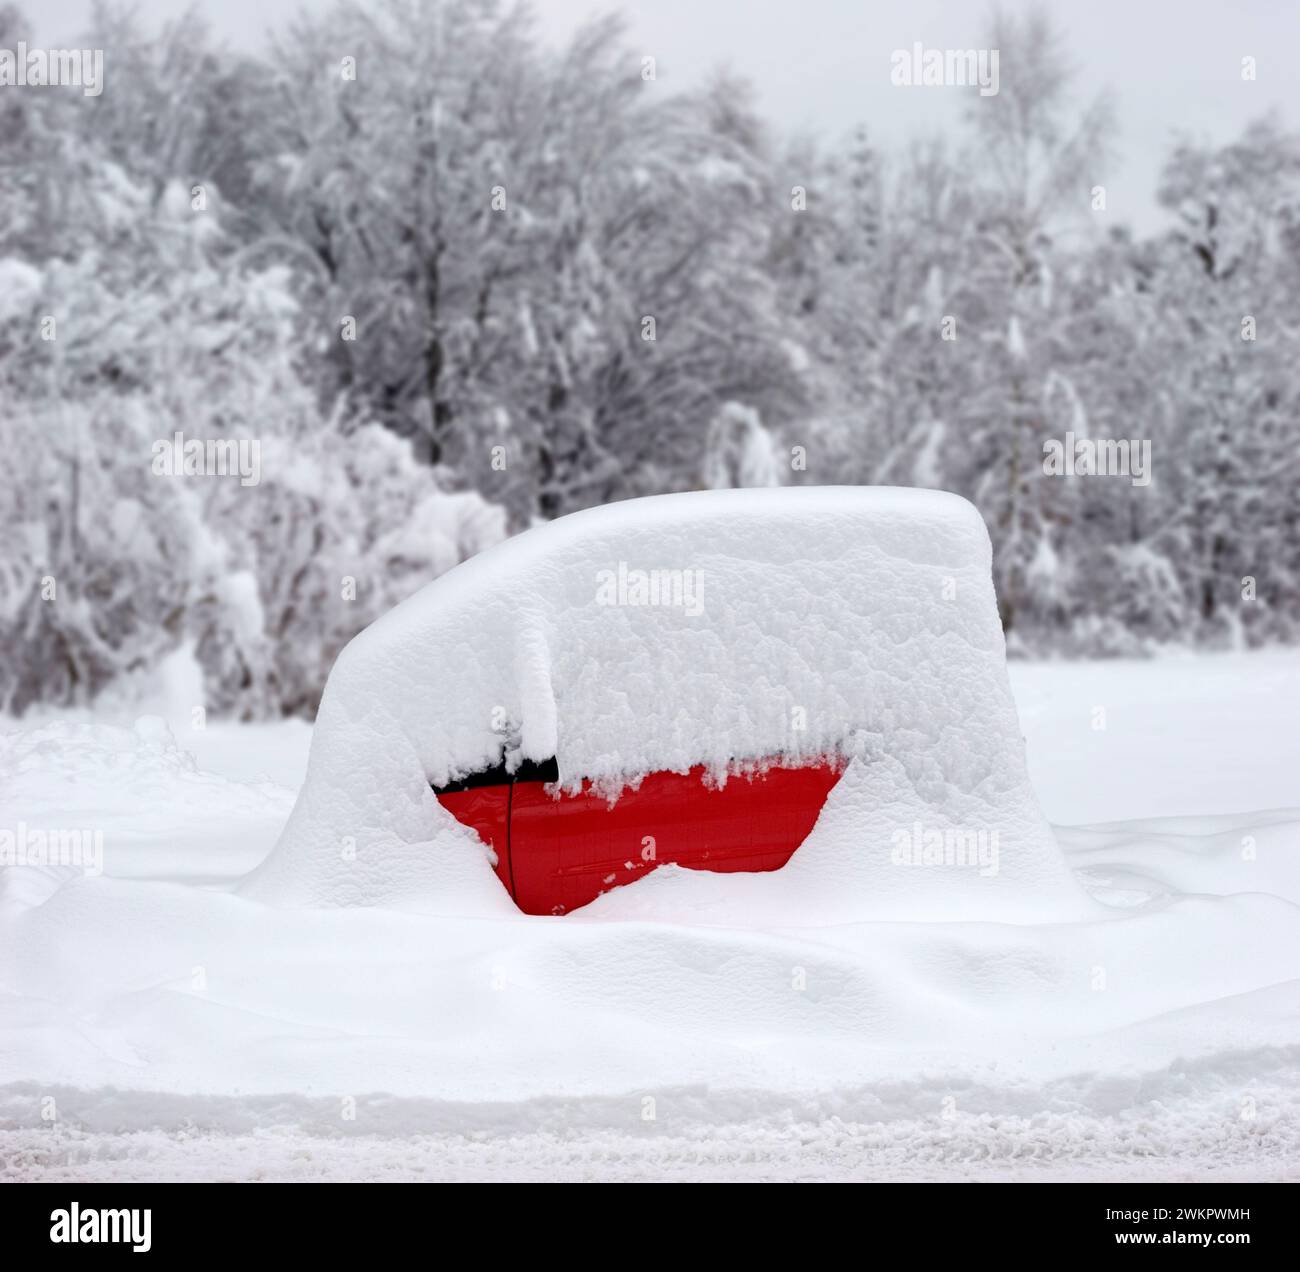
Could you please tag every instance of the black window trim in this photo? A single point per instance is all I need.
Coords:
(528, 771)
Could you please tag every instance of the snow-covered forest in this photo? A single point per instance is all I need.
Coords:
(454, 280)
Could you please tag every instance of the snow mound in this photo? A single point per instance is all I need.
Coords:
(724, 628)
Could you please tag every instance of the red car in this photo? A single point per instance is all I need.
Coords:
(558, 852)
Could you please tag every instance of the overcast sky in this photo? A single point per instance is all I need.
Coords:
(821, 67)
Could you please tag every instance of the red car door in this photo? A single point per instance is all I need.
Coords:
(565, 852)
(560, 852)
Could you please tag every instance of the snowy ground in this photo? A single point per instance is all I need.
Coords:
(154, 1026)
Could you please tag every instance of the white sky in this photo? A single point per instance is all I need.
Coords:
(821, 67)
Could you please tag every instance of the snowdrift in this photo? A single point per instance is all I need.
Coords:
(731, 629)
(184, 1031)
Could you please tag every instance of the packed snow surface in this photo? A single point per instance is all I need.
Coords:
(724, 628)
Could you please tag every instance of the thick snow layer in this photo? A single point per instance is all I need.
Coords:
(175, 1029)
(850, 621)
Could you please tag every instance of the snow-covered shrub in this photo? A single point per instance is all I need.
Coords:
(739, 451)
(344, 524)
(1139, 591)
(112, 559)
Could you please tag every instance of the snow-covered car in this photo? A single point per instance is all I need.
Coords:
(803, 686)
